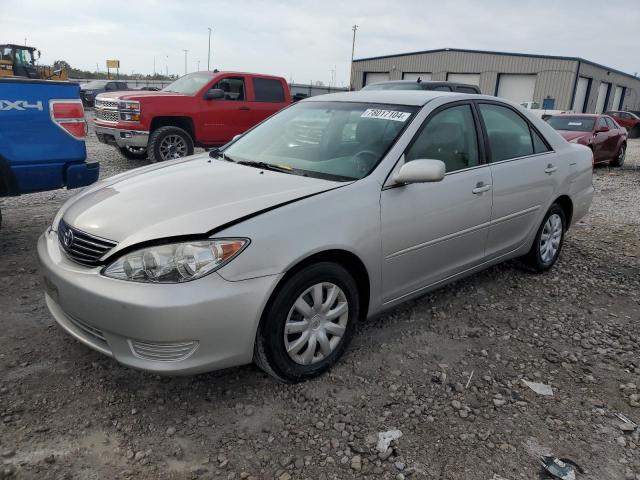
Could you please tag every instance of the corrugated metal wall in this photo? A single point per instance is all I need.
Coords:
(597, 75)
(555, 77)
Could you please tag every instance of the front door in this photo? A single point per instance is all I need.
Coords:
(224, 118)
(431, 231)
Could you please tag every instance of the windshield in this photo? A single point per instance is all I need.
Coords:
(578, 124)
(189, 84)
(94, 85)
(394, 86)
(23, 56)
(333, 140)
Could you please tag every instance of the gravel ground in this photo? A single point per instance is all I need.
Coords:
(446, 370)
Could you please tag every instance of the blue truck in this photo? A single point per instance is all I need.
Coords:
(42, 137)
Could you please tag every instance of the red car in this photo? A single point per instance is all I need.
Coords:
(204, 109)
(628, 120)
(600, 133)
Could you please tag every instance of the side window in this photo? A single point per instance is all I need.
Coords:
(442, 88)
(268, 90)
(449, 136)
(538, 144)
(610, 123)
(233, 88)
(602, 122)
(122, 86)
(509, 135)
(110, 86)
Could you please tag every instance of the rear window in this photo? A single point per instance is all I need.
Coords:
(268, 90)
(466, 90)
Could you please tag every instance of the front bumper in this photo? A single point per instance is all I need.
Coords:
(121, 137)
(177, 329)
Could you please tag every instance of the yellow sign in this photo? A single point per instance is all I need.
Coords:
(113, 63)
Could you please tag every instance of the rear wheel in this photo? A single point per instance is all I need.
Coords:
(133, 153)
(548, 242)
(619, 160)
(168, 143)
(309, 323)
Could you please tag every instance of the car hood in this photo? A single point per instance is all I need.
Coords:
(569, 135)
(190, 196)
(137, 95)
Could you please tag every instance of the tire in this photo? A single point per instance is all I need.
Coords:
(537, 258)
(270, 351)
(163, 139)
(619, 160)
(133, 153)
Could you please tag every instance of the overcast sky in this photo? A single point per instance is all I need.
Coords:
(305, 39)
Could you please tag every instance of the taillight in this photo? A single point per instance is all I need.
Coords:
(69, 115)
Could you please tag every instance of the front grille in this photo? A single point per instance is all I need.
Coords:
(163, 352)
(108, 115)
(106, 103)
(82, 247)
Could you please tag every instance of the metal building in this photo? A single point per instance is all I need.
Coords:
(561, 83)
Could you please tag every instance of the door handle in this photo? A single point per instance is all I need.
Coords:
(480, 188)
(245, 109)
(550, 169)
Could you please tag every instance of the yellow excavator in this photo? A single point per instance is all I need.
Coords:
(20, 61)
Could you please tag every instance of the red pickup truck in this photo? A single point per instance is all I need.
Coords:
(205, 109)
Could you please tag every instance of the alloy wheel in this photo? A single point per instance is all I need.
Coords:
(316, 323)
(173, 146)
(550, 238)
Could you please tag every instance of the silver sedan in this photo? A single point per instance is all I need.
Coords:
(271, 248)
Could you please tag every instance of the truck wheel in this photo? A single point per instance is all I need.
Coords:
(167, 143)
(133, 153)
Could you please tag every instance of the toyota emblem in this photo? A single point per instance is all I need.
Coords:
(68, 238)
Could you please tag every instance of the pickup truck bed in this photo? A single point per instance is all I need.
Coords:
(42, 132)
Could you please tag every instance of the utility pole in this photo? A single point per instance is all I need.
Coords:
(154, 65)
(25, 41)
(185, 61)
(198, 66)
(209, 51)
(353, 49)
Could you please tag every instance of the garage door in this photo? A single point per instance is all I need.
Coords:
(375, 77)
(617, 99)
(603, 91)
(470, 78)
(414, 76)
(517, 88)
(582, 92)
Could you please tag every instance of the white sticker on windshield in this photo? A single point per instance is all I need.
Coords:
(576, 124)
(386, 114)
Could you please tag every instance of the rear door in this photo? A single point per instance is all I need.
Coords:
(432, 231)
(525, 172)
(267, 96)
(224, 118)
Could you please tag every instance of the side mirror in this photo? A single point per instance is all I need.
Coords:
(214, 94)
(421, 171)
(602, 129)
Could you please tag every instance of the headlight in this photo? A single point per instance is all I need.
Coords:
(177, 262)
(129, 111)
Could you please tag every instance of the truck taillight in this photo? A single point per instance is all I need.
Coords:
(69, 115)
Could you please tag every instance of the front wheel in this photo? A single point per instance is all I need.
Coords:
(619, 160)
(309, 323)
(168, 143)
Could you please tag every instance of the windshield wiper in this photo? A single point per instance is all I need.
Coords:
(217, 153)
(266, 166)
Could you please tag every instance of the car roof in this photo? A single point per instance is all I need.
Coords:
(416, 98)
(433, 83)
(594, 115)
